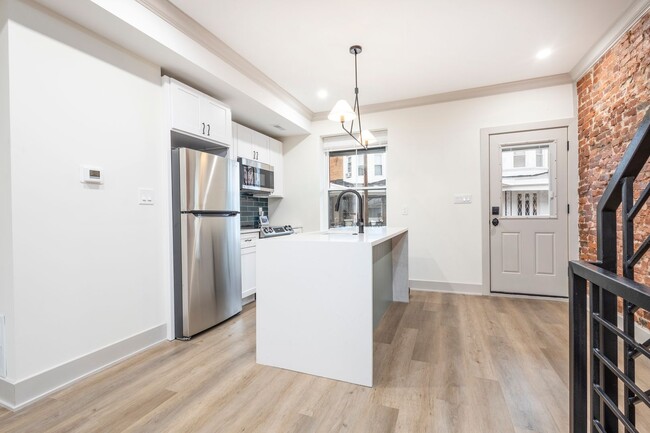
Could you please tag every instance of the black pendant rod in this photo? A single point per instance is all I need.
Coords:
(355, 49)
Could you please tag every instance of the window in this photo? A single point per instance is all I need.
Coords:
(371, 186)
(526, 191)
(519, 158)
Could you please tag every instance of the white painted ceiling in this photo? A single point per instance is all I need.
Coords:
(411, 48)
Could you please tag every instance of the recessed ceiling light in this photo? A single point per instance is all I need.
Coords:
(542, 54)
(322, 93)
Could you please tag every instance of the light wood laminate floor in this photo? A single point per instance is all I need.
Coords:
(443, 363)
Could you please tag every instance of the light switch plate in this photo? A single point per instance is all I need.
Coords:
(146, 196)
(405, 210)
(462, 199)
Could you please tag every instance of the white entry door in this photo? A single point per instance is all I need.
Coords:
(528, 212)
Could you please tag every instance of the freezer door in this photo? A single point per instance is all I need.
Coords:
(207, 182)
(211, 286)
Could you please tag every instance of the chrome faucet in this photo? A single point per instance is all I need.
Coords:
(338, 202)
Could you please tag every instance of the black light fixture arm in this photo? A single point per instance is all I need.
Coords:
(355, 49)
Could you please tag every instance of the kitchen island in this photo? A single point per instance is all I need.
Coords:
(321, 295)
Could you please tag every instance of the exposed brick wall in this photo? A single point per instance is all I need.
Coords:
(613, 97)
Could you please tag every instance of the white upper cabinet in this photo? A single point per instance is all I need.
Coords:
(261, 147)
(275, 151)
(252, 145)
(185, 109)
(196, 113)
(216, 117)
(244, 142)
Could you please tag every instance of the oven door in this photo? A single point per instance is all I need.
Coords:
(255, 177)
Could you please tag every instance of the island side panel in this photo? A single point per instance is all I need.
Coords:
(401, 288)
(314, 308)
(382, 280)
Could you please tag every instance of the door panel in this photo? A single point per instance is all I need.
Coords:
(216, 119)
(261, 146)
(248, 272)
(510, 252)
(245, 142)
(545, 253)
(211, 270)
(185, 109)
(214, 182)
(528, 199)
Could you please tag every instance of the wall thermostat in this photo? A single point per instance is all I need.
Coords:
(91, 175)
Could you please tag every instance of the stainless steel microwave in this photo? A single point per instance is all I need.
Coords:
(255, 177)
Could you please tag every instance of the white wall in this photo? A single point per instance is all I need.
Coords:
(6, 267)
(433, 153)
(88, 265)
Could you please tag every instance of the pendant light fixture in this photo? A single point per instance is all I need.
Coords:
(342, 112)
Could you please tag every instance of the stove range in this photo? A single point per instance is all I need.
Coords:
(272, 231)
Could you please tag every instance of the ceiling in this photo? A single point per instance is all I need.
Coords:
(411, 48)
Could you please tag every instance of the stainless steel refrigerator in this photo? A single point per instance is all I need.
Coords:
(206, 225)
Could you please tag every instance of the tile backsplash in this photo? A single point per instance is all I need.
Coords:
(249, 208)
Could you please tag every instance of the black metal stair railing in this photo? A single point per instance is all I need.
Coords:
(598, 320)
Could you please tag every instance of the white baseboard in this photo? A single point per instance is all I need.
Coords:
(440, 286)
(14, 396)
(6, 393)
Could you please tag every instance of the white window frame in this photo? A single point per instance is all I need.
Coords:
(336, 143)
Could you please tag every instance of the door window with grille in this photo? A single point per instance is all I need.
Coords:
(527, 184)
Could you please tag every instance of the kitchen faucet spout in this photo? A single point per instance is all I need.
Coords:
(338, 203)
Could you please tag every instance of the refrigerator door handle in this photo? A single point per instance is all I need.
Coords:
(217, 213)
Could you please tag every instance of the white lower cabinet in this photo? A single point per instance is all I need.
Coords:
(248, 264)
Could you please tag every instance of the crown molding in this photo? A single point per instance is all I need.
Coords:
(477, 92)
(638, 9)
(183, 22)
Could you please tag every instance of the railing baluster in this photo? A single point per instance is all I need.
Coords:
(637, 393)
(609, 348)
(627, 202)
(640, 202)
(638, 254)
(578, 354)
(596, 330)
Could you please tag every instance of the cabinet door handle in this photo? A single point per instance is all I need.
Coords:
(208, 129)
(203, 128)
(247, 240)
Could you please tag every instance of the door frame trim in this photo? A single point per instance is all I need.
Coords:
(572, 187)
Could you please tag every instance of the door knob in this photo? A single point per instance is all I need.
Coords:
(495, 222)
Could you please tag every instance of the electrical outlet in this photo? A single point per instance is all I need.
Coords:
(146, 196)
(405, 210)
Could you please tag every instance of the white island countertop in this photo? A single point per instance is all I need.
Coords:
(372, 236)
(321, 295)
